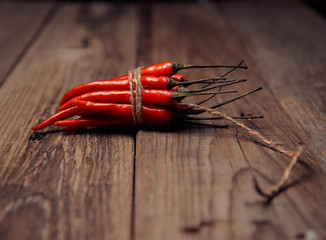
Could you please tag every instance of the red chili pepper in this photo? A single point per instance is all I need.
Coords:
(154, 114)
(170, 68)
(99, 121)
(149, 82)
(96, 121)
(149, 97)
(64, 114)
(153, 97)
(150, 114)
(121, 113)
(162, 69)
(178, 77)
(57, 116)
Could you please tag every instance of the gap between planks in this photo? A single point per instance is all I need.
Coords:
(31, 41)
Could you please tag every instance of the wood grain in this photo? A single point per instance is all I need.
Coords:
(20, 24)
(57, 185)
(186, 182)
(278, 45)
(291, 61)
(196, 183)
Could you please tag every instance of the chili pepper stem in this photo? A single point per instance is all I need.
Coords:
(217, 86)
(217, 118)
(234, 99)
(181, 95)
(178, 66)
(190, 111)
(220, 82)
(228, 72)
(206, 99)
(172, 83)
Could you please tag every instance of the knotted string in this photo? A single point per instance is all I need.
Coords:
(276, 188)
(136, 92)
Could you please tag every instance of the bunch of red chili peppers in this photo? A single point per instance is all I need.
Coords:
(107, 102)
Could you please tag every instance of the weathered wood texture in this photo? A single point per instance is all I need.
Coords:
(54, 185)
(15, 34)
(195, 183)
(191, 182)
(287, 46)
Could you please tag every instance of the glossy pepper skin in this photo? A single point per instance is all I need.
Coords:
(96, 121)
(99, 121)
(150, 114)
(167, 69)
(64, 114)
(149, 97)
(120, 83)
(67, 113)
(153, 77)
(178, 77)
(160, 69)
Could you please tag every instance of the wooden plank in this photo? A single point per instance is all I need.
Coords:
(180, 176)
(196, 183)
(302, 219)
(287, 46)
(56, 185)
(292, 62)
(19, 24)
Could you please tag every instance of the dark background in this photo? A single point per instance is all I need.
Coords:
(317, 5)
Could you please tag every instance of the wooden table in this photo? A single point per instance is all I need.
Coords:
(189, 183)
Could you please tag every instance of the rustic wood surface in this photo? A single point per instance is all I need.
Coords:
(16, 36)
(189, 182)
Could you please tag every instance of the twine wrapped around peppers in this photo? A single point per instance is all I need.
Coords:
(93, 103)
(136, 90)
